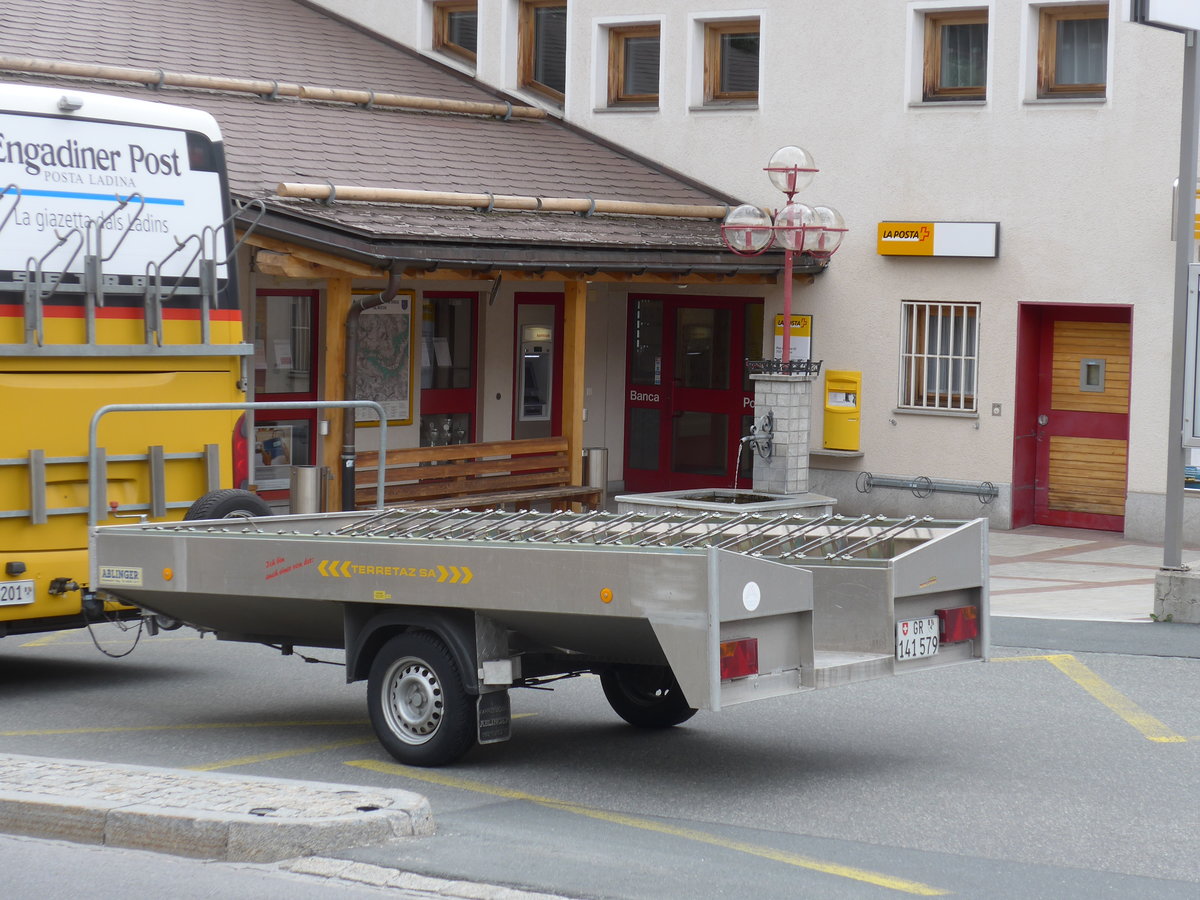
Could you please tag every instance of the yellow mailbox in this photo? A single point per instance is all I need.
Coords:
(842, 412)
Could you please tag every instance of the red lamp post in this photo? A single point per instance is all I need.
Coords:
(813, 230)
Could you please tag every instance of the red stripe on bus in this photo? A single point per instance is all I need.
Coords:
(14, 311)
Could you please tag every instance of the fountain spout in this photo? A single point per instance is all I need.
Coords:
(760, 436)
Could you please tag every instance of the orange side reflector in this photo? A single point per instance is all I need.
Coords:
(739, 658)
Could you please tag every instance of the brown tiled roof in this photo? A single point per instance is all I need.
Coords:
(270, 141)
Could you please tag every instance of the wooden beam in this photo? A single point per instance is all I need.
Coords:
(284, 265)
(333, 387)
(574, 341)
(331, 260)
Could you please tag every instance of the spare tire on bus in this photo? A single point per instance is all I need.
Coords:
(230, 503)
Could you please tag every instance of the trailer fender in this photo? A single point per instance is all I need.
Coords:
(369, 627)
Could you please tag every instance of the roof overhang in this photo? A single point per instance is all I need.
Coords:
(446, 256)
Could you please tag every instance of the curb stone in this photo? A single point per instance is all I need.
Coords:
(415, 886)
(199, 814)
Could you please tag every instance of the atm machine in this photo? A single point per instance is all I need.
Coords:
(535, 374)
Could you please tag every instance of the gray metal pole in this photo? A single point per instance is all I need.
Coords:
(1185, 225)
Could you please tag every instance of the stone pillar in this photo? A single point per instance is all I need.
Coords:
(1177, 596)
(789, 399)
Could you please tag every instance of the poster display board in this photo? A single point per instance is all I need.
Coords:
(385, 360)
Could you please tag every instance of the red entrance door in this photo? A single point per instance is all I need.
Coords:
(285, 356)
(449, 366)
(1071, 451)
(688, 398)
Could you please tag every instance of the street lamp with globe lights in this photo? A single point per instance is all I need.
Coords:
(813, 230)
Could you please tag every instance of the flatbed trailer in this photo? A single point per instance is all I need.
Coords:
(442, 612)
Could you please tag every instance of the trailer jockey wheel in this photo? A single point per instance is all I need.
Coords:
(228, 504)
(420, 710)
(646, 696)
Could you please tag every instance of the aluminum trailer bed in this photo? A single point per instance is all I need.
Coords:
(444, 611)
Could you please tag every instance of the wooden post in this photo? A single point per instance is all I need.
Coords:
(333, 387)
(574, 336)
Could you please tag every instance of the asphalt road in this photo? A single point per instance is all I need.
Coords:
(1045, 773)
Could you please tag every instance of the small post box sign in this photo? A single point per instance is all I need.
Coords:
(801, 337)
(979, 239)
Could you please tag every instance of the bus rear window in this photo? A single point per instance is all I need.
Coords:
(202, 155)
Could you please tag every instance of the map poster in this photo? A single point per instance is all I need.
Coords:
(385, 360)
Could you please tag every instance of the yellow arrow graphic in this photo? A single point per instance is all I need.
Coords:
(346, 569)
(457, 575)
(444, 574)
(467, 575)
(321, 567)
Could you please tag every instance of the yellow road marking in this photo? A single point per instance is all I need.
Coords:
(280, 754)
(60, 637)
(302, 751)
(690, 834)
(46, 639)
(202, 726)
(1151, 728)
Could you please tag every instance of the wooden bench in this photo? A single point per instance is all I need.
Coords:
(496, 474)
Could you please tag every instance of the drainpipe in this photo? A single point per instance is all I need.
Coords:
(357, 307)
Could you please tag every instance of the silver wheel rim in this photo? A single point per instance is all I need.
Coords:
(413, 702)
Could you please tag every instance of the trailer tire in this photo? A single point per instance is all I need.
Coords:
(646, 696)
(230, 503)
(419, 707)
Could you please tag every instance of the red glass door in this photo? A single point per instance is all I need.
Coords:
(688, 399)
(449, 367)
(285, 369)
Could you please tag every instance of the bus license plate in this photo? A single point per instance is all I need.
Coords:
(15, 593)
(916, 638)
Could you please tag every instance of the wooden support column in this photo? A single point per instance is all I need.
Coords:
(574, 337)
(333, 384)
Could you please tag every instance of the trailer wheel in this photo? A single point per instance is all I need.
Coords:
(420, 710)
(646, 696)
(230, 503)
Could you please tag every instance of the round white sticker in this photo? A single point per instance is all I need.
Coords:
(751, 596)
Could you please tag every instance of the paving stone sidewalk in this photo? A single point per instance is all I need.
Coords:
(204, 815)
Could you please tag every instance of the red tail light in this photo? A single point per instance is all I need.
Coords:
(958, 624)
(739, 658)
(241, 454)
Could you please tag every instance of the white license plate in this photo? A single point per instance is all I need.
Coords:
(15, 593)
(917, 638)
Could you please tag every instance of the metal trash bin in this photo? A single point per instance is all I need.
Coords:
(595, 471)
(304, 486)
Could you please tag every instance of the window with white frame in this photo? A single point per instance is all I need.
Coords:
(956, 46)
(1072, 50)
(939, 347)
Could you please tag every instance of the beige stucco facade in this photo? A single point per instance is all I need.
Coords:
(1081, 189)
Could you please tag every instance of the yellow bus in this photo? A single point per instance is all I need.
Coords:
(117, 286)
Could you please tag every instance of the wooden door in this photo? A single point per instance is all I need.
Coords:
(1082, 424)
